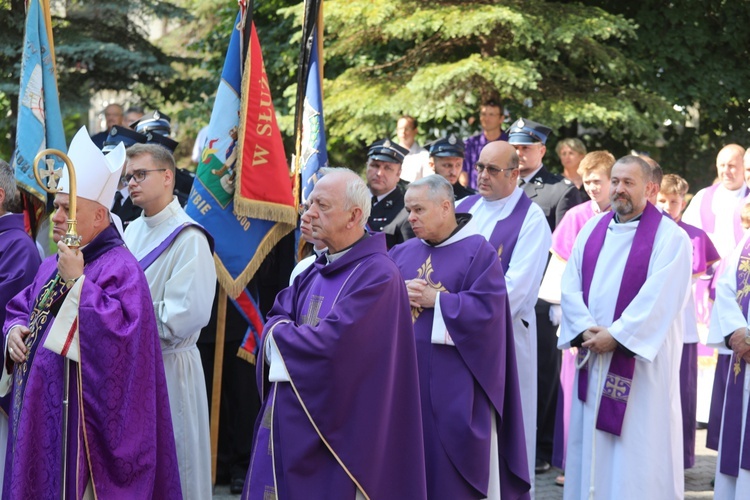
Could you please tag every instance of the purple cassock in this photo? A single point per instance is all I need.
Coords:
(464, 384)
(349, 418)
(704, 255)
(119, 429)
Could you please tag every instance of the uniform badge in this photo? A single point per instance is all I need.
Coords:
(387, 144)
(452, 139)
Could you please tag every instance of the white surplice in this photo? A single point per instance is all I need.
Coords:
(645, 461)
(727, 317)
(182, 282)
(523, 279)
(723, 205)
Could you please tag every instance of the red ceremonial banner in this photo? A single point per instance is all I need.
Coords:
(262, 170)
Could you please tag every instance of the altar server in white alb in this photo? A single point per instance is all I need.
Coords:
(519, 233)
(176, 255)
(622, 290)
(729, 333)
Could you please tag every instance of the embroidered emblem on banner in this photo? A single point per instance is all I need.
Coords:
(617, 387)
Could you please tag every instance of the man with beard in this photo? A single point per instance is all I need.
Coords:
(446, 159)
(623, 288)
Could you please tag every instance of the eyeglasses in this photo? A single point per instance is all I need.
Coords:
(302, 208)
(493, 171)
(140, 175)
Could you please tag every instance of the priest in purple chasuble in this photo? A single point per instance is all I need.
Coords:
(595, 169)
(729, 333)
(92, 306)
(518, 231)
(472, 420)
(337, 368)
(622, 294)
(19, 262)
(714, 210)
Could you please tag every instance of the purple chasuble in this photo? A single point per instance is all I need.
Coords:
(731, 439)
(154, 254)
(19, 261)
(616, 389)
(567, 230)
(350, 417)
(505, 235)
(120, 427)
(462, 385)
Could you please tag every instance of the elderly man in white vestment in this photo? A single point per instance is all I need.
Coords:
(622, 291)
(176, 256)
(729, 333)
(519, 232)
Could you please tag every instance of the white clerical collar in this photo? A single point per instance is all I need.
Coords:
(320, 252)
(384, 195)
(531, 176)
(6, 214)
(469, 229)
(499, 205)
(172, 209)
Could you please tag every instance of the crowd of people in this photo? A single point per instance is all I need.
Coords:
(465, 320)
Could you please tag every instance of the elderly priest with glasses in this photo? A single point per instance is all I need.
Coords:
(92, 306)
(519, 233)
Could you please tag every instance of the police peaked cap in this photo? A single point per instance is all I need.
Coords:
(161, 140)
(119, 134)
(528, 132)
(388, 151)
(155, 121)
(447, 147)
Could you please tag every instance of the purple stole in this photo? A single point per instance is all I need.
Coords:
(154, 254)
(730, 438)
(616, 389)
(505, 234)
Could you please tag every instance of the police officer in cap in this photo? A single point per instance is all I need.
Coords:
(123, 206)
(447, 159)
(556, 195)
(388, 215)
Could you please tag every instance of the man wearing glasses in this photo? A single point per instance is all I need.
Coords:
(176, 255)
(518, 231)
(384, 159)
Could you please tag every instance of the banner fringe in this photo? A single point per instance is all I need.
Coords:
(265, 210)
(234, 287)
(246, 356)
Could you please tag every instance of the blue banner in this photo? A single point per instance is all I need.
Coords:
(39, 123)
(313, 149)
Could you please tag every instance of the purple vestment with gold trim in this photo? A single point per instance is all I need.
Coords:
(462, 385)
(120, 429)
(350, 416)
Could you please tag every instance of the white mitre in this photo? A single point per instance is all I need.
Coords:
(97, 175)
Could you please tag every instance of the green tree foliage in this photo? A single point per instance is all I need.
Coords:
(695, 54)
(98, 45)
(557, 63)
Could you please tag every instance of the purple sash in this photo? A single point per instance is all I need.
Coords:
(620, 376)
(730, 438)
(505, 234)
(154, 254)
